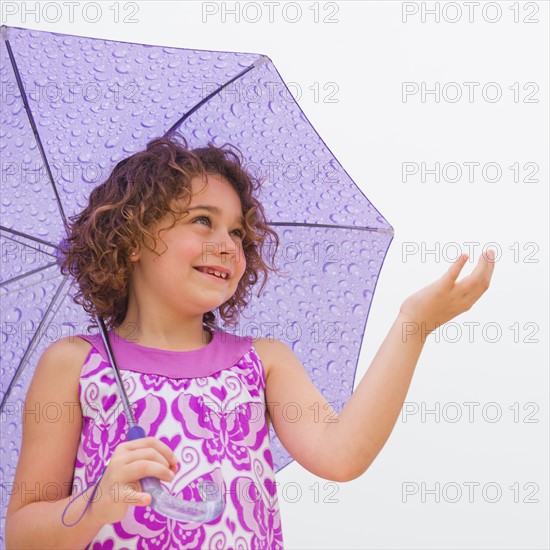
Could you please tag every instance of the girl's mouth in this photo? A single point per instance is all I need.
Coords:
(212, 276)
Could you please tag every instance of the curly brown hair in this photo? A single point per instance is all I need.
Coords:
(140, 191)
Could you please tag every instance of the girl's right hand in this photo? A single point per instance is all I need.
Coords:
(120, 486)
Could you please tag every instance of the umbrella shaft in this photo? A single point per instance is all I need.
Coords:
(125, 401)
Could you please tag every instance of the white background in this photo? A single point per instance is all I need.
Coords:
(366, 54)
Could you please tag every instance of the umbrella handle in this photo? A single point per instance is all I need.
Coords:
(177, 508)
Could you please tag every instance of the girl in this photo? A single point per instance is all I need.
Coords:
(184, 375)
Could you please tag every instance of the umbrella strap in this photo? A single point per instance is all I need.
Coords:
(96, 483)
(135, 432)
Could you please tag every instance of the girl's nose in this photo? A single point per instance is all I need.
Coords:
(229, 243)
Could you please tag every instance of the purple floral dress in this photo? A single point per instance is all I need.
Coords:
(208, 406)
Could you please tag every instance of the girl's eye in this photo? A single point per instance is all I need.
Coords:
(238, 231)
(202, 218)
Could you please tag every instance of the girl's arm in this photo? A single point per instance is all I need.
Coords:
(52, 421)
(38, 525)
(341, 447)
(367, 420)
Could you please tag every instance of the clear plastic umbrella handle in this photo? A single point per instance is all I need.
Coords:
(177, 508)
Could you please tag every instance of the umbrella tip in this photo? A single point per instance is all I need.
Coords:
(4, 32)
(261, 61)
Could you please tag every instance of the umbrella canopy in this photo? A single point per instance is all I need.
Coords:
(72, 107)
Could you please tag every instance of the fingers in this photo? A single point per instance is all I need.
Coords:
(138, 469)
(154, 443)
(489, 255)
(142, 499)
(477, 282)
(454, 271)
(146, 453)
(488, 267)
(133, 494)
(144, 457)
(481, 275)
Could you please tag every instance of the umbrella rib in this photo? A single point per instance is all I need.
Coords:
(29, 247)
(21, 288)
(33, 125)
(28, 274)
(31, 238)
(259, 61)
(303, 224)
(29, 349)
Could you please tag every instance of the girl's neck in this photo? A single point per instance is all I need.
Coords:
(159, 340)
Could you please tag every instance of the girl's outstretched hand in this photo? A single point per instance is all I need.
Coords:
(434, 305)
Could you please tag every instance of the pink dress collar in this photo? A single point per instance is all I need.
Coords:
(222, 352)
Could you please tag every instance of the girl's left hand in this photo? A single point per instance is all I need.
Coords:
(444, 299)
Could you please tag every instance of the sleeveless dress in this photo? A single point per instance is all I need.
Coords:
(208, 406)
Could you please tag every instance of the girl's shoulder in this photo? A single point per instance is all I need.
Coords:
(264, 350)
(72, 348)
(60, 366)
(70, 351)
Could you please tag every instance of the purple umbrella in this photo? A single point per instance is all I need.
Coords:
(72, 107)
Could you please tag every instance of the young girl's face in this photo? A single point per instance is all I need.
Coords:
(202, 237)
